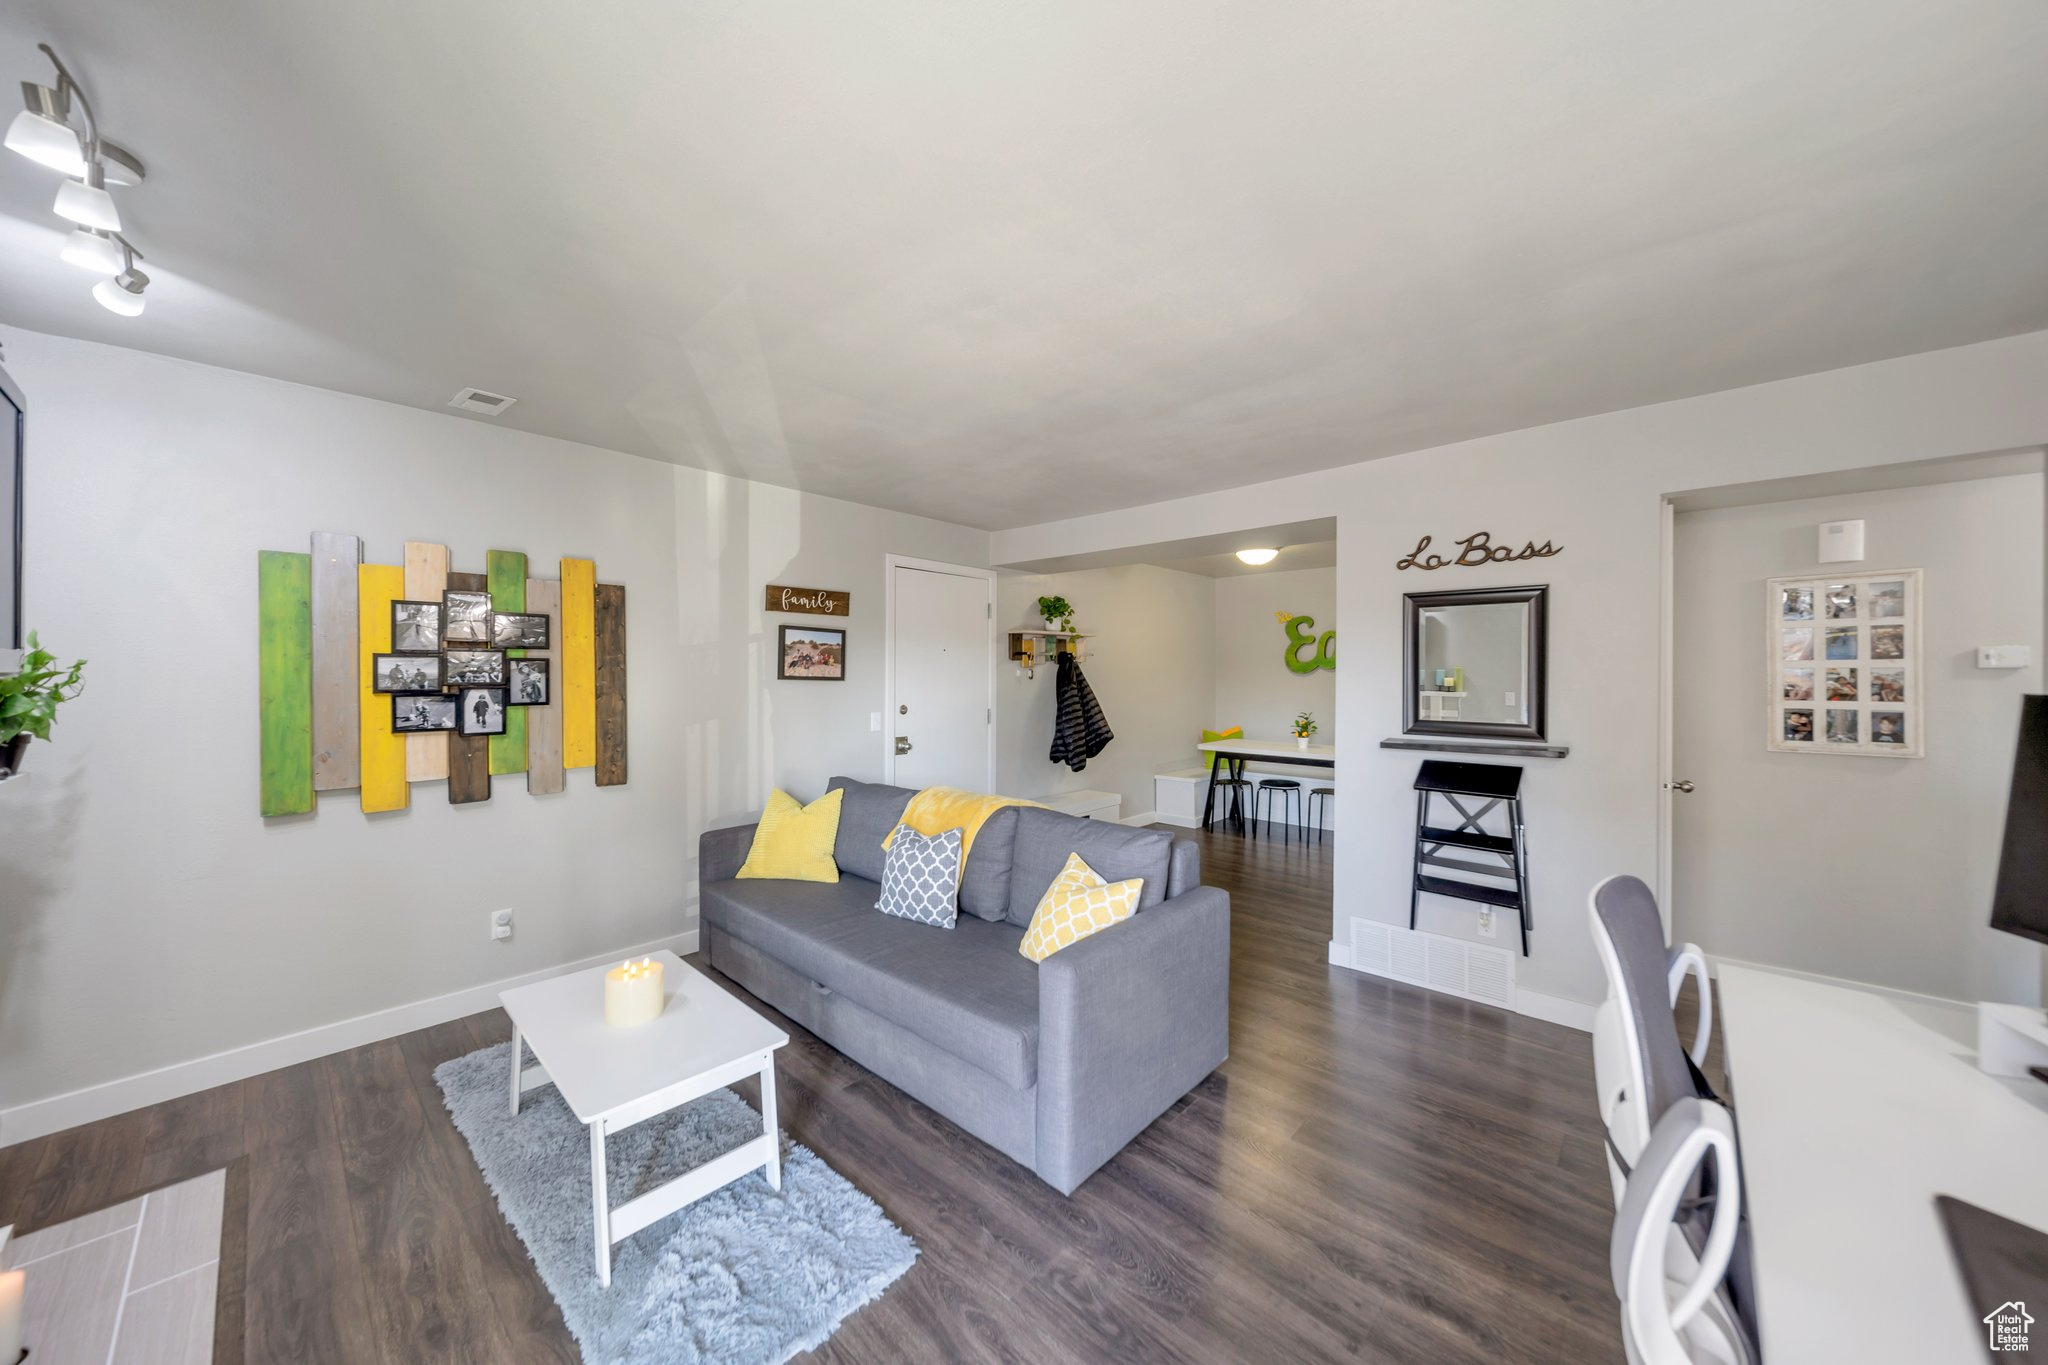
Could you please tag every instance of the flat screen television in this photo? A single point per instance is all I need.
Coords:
(2020, 904)
(14, 421)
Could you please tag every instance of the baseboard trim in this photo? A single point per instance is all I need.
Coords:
(1554, 1009)
(38, 1118)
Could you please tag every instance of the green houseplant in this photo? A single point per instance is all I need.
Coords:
(1058, 613)
(29, 701)
(1304, 726)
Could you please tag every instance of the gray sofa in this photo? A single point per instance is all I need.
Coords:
(1056, 1064)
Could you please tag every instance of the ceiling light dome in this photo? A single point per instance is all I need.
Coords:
(87, 203)
(91, 249)
(1258, 558)
(40, 133)
(122, 294)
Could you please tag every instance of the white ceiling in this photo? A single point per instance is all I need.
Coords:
(1320, 555)
(1003, 264)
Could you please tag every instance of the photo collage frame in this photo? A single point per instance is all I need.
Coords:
(448, 669)
(1844, 654)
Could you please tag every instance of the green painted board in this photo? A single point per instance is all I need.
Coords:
(284, 672)
(507, 574)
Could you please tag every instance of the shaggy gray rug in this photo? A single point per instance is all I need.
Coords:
(747, 1274)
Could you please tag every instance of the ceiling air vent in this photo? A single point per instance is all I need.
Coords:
(477, 400)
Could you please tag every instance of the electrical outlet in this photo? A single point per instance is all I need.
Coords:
(1486, 923)
(1511, 699)
(875, 722)
(501, 924)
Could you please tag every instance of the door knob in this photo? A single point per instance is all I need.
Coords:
(902, 744)
(1681, 785)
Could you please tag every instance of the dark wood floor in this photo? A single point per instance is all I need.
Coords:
(1378, 1173)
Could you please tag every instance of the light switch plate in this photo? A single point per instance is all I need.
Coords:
(2004, 656)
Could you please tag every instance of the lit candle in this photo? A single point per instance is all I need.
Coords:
(633, 993)
(12, 1285)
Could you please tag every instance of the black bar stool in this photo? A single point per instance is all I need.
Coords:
(1235, 795)
(1328, 795)
(1290, 802)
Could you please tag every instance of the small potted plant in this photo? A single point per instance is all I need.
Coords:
(1304, 726)
(1058, 614)
(29, 701)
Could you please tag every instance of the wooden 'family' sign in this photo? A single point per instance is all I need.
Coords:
(1474, 550)
(376, 676)
(810, 601)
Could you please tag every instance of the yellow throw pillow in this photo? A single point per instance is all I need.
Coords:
(1077, 904)
(793, 843)
(1208, 736)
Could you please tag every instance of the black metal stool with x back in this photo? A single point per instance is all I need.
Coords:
(1486, 786)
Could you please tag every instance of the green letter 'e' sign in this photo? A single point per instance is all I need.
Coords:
(1301, 634)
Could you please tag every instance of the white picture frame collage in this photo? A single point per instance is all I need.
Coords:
(1844, 654)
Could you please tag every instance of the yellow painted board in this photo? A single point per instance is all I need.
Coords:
(426, 578)
(579, 663)
(383, 766)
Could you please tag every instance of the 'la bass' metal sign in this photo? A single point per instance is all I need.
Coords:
(1474, 550)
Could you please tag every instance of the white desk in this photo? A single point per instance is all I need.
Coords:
(1235, 753)
(1854, 1111)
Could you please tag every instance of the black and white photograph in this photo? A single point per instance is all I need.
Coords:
(1841, 725)
(519, 629)
(405, 673)
(1888, 598)
(481, 710)
(1799, 726)
(475, 668)
(1841, 599)
(1798, 604)
(1888, 727)
(526, 682)
(416, 627)
(465, 618)
(419, 715)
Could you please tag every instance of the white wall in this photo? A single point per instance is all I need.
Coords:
(1871, 869)
(1593, 486)
(1151, 663)
(151, 917)
(1254, 686)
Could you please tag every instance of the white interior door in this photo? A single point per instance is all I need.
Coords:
(941, 677)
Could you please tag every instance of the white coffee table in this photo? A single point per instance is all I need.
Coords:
(614, 1078)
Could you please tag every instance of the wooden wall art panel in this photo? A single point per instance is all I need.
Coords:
(337, 710)
(544, 774)
(610, 649)
(284, 672)
(324, 616)
(469, 756)
(507, 573)
(579, 663)
(426, 578)
(383, 761)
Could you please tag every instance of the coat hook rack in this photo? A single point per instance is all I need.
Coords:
(1027, 654)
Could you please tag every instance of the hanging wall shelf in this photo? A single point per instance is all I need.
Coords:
(1027, 653)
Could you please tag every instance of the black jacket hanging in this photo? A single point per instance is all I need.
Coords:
(1079, 729)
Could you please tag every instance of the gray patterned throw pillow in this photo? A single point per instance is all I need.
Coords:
(921, 876)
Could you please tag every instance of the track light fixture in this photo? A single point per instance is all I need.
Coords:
(43, 132)
(123, 293)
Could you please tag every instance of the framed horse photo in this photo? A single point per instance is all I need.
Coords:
(813, 653)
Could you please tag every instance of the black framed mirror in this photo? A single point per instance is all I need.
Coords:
(1473, 662)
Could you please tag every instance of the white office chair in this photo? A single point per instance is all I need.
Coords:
(1674, 1307)
(1638, 1064)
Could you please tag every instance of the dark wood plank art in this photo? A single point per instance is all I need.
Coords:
(808, 601)
(611, 685)
(469, 756)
